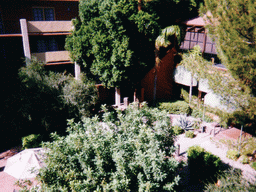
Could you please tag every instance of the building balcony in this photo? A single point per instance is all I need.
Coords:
(39, 27)
(52, 57)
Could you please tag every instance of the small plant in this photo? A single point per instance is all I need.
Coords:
(253, 165)
(31, 141)
(244, 159)
(197, 124)
(177, 130)
(26, 186)
(189, 134)
(232, 154)
(184, 123)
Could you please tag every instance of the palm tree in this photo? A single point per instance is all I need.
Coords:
(173, 32)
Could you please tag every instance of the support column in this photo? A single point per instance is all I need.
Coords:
(118, 97)
(126, 102)
(135, 95)
(25, 39)
(77, 71)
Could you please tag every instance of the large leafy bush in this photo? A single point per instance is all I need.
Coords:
(130, 153)
(43, 102)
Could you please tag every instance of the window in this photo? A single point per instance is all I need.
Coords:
(44, 45)
(1, 25)
(43, 14)
(195, 37)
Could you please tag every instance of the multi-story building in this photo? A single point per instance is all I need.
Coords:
(36, 28)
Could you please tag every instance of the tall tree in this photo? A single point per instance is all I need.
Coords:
(115, 42)
(170, 36)
(232, 24)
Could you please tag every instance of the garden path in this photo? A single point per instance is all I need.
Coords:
(209, 143)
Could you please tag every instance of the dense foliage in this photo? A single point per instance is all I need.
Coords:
(203, 165)
(175, 107)
(43, 102)
(127, 153)
(239, 102)
(232, 25)
(31, 141)
(115, 42)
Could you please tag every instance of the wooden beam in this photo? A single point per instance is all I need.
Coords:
(201, 29)
(49, 34)
(60, 63)
(191, 28)
(10, 35)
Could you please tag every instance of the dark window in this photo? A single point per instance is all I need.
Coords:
(43, 14)
(44, 45)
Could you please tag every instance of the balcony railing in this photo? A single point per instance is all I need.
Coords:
(49, 26)
(53, 56)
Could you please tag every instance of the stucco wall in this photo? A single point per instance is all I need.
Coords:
(164, 78)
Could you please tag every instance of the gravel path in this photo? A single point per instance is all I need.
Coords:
(209, 144)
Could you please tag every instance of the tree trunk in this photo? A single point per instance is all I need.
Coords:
(190, 89)
(157, 64)
(139, 5)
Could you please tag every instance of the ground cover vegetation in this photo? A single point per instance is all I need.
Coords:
(231, 180)
(232, 26)
(243, 150)
(129, 153)
(43, 102)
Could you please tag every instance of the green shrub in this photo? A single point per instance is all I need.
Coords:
(189, 134)
(248, 146)
(202, 164)
(253, 165)
(80, 95)
(198, 114)
(232, 154)
(177, 107)
(177, 130)
(125, 154)
(46, 99)
(244, 159)
(31, 141)
(230, 181)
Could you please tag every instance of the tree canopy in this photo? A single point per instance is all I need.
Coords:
(232, 24)
(129, 153)
(115, 42)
